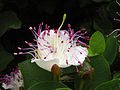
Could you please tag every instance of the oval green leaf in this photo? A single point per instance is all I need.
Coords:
(97, 43)
(111, 49)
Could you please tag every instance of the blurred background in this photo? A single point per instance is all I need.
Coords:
(16, 16)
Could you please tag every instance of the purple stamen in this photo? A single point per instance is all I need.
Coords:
(117, 2)
(113, 32)
(117, 36)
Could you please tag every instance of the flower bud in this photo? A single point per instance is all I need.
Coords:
(86, 72)
(56, 70)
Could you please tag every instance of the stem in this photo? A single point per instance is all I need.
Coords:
(81, 84)
(56, 78)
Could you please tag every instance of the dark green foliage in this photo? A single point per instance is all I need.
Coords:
(110, 85)
(33, 74)
(8, 20)
(48, 86)
(5, 59)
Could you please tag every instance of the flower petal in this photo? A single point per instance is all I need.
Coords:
(47, 65)
(77, 55)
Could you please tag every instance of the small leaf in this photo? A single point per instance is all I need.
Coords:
(33, 73)
(110, 85)
(97, 43)
(111, 49)
(8, 20)
(5, 59)
(91, 54)
(47, 86)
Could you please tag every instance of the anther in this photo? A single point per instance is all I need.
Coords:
(69, 25)
(80, 52)
(15, 53)
(19, 48)
(61, 41)
(45, 57)
(30, 28)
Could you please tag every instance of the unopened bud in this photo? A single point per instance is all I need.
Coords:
(21, 88)
(56, 70)
(86, 72)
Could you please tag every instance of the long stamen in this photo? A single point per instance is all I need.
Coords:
(117, 36)
(117, 2)
(117, 13)
(113, 32)
(117, 19)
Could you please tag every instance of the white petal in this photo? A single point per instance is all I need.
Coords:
(77, 54)
(47, 65)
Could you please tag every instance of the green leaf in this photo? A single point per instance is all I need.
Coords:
(47, 86)
(111, 49)
(101, 72)
(63, 89)
(8, 20)
(116, 75)
(97, 43)
(5, 59)
(110, 85)
(33, 73)
(91, 54)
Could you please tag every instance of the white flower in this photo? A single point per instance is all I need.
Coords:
(14, 81)
(57, 47)
(58, 51)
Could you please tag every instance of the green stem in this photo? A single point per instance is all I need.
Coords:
(81, 84)
(56, 78)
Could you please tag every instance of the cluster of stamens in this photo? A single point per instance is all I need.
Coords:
(72, 40)
(13, 80)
